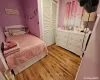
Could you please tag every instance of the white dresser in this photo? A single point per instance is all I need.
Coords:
(70, 40)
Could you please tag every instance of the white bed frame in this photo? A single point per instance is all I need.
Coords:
(28, 63)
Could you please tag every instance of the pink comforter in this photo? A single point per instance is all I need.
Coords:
(30, 46)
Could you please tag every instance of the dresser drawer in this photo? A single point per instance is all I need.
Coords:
(62, 34)
(76, 37)
(78, 51)
(80, 38)
(71, 36)
(68, 47)
(75, 50)
(62, 38)
(61, 42)
(75, 43)
(71, 48)
(79, 45)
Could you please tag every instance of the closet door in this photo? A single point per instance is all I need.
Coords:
(49, 21)
(54, 19)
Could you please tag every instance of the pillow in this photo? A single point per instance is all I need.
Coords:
(17, 33)
(15, 30)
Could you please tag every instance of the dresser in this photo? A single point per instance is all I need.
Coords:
(71, 41)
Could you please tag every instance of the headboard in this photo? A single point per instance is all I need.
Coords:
(15, 30)
(14, 27)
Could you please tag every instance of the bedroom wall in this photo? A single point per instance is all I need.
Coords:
(6, 19)
(29, 6)
(90, 66)
(25, 8)
(62, 4)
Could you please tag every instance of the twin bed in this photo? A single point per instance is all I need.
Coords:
(32, 49)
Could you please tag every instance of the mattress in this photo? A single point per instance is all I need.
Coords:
(30, 46)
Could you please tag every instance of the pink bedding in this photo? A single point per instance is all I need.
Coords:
(30, 46)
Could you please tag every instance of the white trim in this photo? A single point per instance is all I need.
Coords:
(40, 13)
(42, 19)
(57, 20)
(78, 70)
(57, 15)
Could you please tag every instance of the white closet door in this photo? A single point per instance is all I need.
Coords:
(54, 18)
(48, 27)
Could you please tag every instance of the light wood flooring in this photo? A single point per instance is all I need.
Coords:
(58, 65)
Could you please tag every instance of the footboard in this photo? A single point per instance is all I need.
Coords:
(27, 64)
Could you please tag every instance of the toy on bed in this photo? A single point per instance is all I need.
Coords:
(31, 49)
(11, 47)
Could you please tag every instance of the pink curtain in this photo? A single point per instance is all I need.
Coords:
(79, 10)
(67, 9)
(67, 12)
(73, 8)
(74, 13)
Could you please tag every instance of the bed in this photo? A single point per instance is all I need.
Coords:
(32, 49)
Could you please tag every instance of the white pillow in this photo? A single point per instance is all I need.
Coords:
(18, 32)
(15, 30)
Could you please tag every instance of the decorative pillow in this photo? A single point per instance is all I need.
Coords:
(15, 30)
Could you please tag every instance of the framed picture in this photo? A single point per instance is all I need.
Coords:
(11, 11)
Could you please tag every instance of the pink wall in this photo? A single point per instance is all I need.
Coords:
(25, 7)
(29, 7)
(6, 19)
(90, 66)
(62, 4)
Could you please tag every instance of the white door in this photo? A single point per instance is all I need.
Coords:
(54, 18)
(49, 21)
